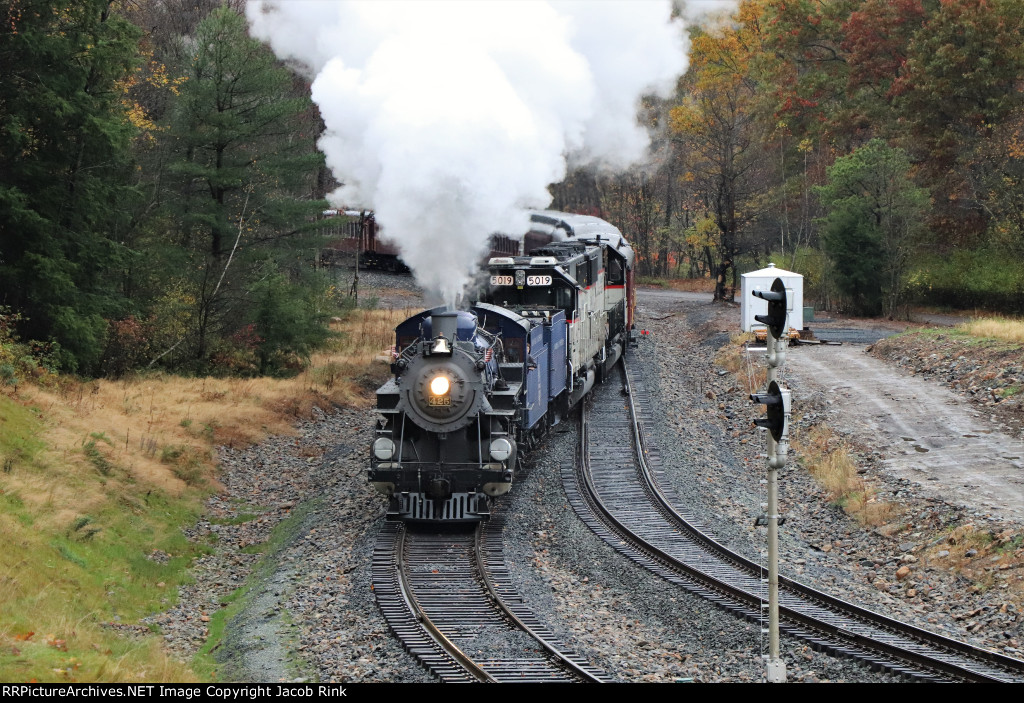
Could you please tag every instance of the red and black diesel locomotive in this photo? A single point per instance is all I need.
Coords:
(357, 236)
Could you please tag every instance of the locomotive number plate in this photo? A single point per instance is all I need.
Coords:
(501, 280)
(439, 400)
(538, 280)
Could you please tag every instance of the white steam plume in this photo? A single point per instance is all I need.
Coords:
(450, 119)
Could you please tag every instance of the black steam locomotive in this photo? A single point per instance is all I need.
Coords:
(473, 389)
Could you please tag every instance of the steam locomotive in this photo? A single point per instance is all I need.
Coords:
(473, 390)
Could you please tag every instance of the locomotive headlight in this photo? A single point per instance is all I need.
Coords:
(501, 449)
(440, 385)
(383, 448)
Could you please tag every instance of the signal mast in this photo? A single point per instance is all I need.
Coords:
(778, 403)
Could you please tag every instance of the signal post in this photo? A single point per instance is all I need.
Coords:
(777, 402)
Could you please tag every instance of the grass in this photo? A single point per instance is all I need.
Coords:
(96, 475)
(978, 330)
(826, 456)
(62, 586)
(748, 366)
(999, 328)
(986, 559)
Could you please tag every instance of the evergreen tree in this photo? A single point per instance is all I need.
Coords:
(243, 156)
(874, 218)
(64, 158)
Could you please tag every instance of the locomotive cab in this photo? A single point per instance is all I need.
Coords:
(566, 277)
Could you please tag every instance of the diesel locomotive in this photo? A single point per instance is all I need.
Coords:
(473, 390)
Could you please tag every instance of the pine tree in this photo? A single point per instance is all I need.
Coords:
(64, 138)
(242, 163)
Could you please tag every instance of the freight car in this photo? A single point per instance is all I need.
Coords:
(357, 236)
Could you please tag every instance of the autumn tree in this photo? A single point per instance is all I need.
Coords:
(996, 176)
(960, 74)
(961, 77)
(716, 119)
(876, 40)
(802, 66)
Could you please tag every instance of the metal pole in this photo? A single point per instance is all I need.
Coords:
(776, 669)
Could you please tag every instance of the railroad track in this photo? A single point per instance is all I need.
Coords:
(618, 489)
(450, 600)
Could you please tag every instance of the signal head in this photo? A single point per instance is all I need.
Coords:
(778, 404)
(777, 304)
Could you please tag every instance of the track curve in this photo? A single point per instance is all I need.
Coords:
(619, 492)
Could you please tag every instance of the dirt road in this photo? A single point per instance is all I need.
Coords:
(924, 432)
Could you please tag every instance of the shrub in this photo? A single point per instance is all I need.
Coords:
(128, 346)
(186, 463)
(290, 321)
(983, 278)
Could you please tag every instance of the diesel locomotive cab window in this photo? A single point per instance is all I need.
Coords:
(615, 276)
(542, 291)
(583, 274)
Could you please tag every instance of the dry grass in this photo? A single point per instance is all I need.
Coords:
(692, 285)
(828, 460)
(985, 558)
(160, 429)
(689, 285)
(1000, 328)
(103, 472)
(748, 366)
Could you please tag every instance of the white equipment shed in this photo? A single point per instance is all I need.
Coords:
(762, 279)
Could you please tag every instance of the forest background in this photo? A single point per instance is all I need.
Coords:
(161, 195)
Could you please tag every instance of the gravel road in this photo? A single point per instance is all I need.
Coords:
(924, 431)
(309, 612)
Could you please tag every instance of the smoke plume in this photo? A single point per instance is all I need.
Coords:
(450, 119)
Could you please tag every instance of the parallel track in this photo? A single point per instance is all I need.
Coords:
(619, 492)
(449, 599)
